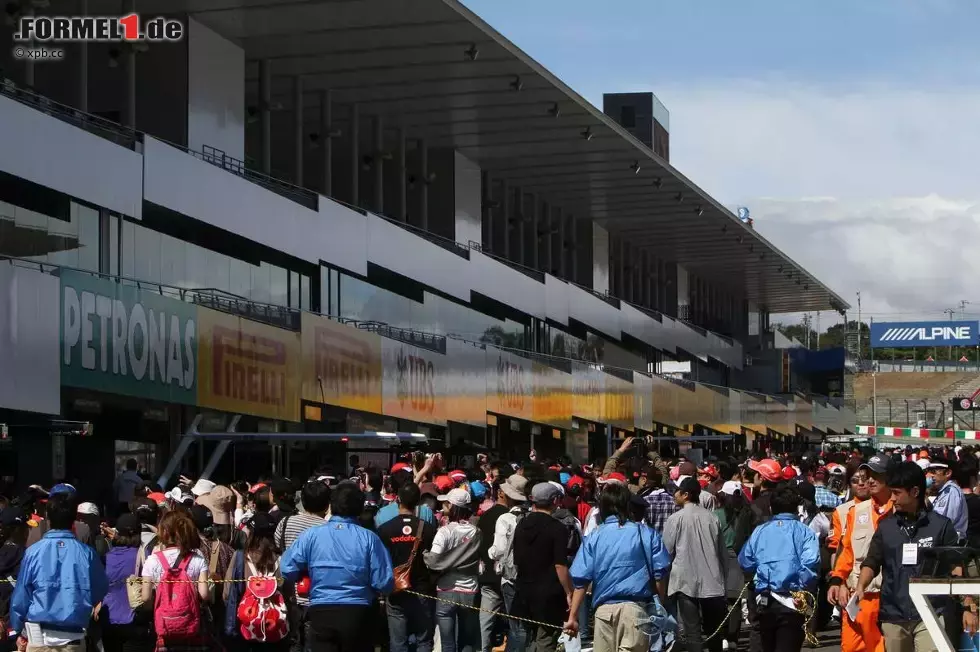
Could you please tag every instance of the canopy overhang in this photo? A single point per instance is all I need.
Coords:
(438, 71)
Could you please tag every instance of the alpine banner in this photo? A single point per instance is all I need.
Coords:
(901, 335)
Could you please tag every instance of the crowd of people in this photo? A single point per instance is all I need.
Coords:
(631, 554)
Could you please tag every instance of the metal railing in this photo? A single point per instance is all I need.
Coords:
(303, 196)
(111, 131)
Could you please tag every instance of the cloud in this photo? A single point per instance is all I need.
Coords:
(870, 188)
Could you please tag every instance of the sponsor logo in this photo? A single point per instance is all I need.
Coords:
(248, 367)
(926, 334)
(511, 384)
(345, 365)
(104, 29)
(416, 382)
(112, 337)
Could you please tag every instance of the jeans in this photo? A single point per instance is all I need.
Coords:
(459, 626)
(408, 615)
(584, 611)
(698, 619)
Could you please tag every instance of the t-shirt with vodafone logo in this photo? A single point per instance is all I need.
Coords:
(398, 536)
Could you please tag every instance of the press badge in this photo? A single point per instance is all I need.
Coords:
(910, 554)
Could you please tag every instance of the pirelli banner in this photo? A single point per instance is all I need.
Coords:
(414, 383)
(247, 367)
(341, 365)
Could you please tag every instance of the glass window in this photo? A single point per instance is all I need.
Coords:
(196, 268)
(172, 261)
(128, 249)
(278, 285)
(219, 271)
(88, 237)
(260, 284)
(305, 294)
(114, 245)
(363, 301)
(293, 289)
(147, 255)
(240, 276)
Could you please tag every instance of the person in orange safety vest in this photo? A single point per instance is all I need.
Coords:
(863, 634)
(859, 493)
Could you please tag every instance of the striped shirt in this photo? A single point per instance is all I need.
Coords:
(289, 529)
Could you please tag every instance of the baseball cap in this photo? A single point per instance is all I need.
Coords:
(401, 466)
(144, 505)
(457, 476)
(923, 463)
(202, 517)
(877, 464)
(262, 523)
(612, 477)
(575, 481)
(62, 488)
(710, 470)
(444, 483)
(457, 497)
(12, 516)
(202, 487)
(836, 469)
(731, 487)
(158, 497)
(768, 469)
(789, 473)
(515, 487)
(128, 525)
(88, 508)
(938, 465)
(545, 493)
(689, 486)
(564, 477)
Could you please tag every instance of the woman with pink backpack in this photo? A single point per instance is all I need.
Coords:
(175, 582)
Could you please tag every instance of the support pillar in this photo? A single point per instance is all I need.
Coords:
(623, 270)
(265, 113)
(355, 154)
(379, 165)
(521, 227)
(486, 189)
(130, 106)
(83, 64)
(402, 169)
(548, 261)
(298, 129)
(326, 140)
(424, 189)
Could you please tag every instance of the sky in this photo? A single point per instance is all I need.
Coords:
(850, 129)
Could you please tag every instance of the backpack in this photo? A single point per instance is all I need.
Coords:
(177, 609)
(262, 609)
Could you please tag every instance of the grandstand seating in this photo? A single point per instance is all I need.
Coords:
(901, 396)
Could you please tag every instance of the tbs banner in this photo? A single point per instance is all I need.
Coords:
(924, 334)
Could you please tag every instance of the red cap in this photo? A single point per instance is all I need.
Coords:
(612, 477)
(574, 481)
(457, 475)
(256, 487)
(444, 483)
(401, 466)
(711, 471)
(789, 473)
(158, 497)
(768, 469)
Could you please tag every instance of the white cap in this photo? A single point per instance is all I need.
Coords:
(937, 465)
(202, 487)
(731, 487)
(458, 497)
(88, 508)
(923, 463)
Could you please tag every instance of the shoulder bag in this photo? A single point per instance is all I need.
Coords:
(403, 572)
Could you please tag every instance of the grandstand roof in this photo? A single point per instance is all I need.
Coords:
(413, 62)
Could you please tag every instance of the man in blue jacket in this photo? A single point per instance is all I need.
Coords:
(784, 555)
(348, 567)
(60, 582)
